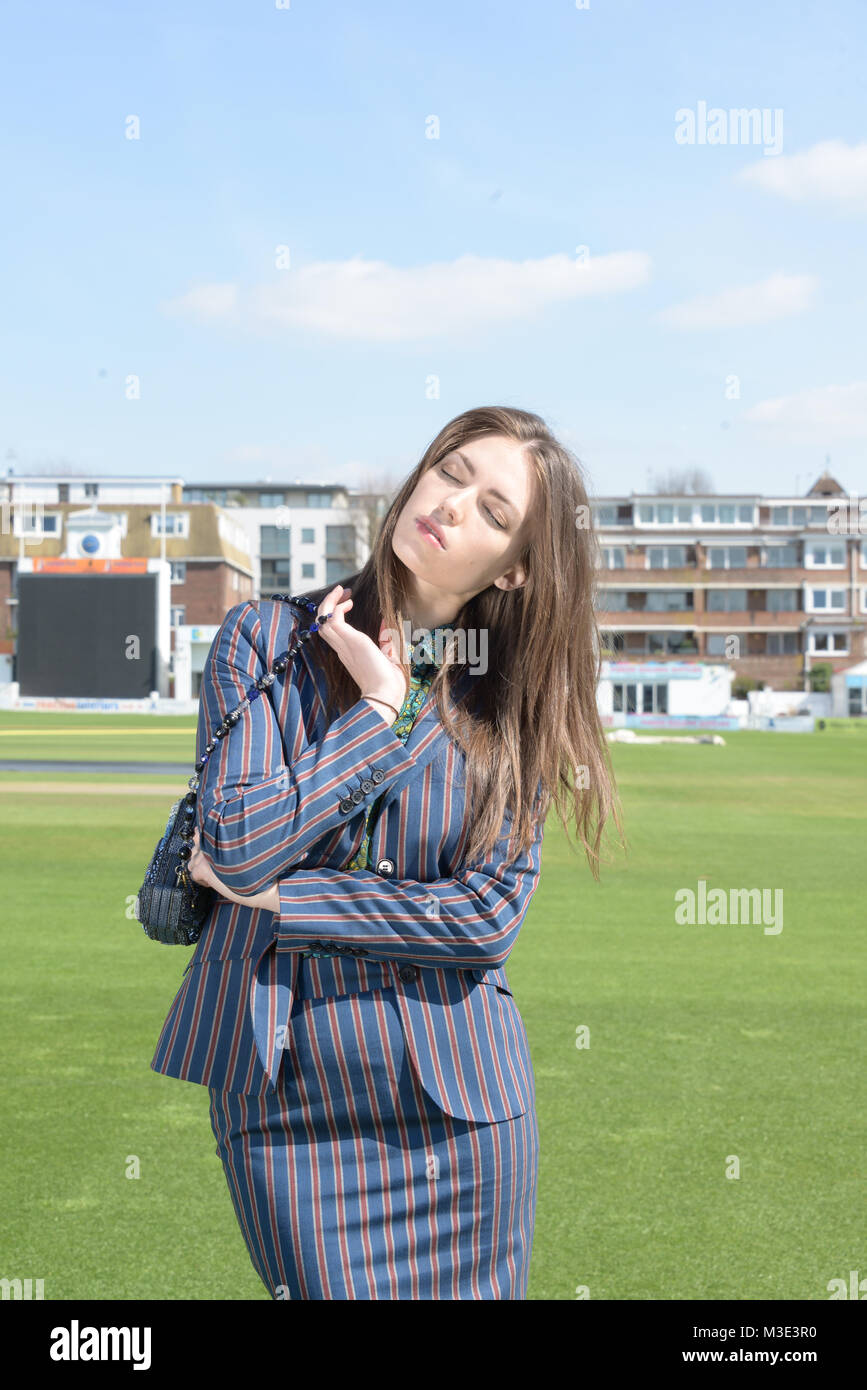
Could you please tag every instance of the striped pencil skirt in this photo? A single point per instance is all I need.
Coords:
(349, 1181)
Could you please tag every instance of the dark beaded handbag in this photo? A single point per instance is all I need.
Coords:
(171, 906)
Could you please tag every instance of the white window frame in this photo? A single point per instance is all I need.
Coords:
(811, 547)
(813, 607)
(178, 565)
(830, 633)
(181, 532)
(178, 608)
(608, 550)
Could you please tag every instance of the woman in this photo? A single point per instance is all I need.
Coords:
(372, 1093)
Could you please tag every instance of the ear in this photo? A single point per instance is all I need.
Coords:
(514, 578)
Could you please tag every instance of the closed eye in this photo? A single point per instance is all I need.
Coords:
(487, 509)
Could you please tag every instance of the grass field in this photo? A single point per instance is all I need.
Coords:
(707, 1043)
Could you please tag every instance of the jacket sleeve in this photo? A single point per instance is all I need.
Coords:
(469, 920)
(266, 793)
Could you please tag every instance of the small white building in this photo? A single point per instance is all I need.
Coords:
(665, 695)
(849, 692)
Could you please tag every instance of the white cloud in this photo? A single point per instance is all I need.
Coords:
(373, 301)
(833, 412)
(830, 171)
(777, 297)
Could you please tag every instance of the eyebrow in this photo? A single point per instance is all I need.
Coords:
(492, 490)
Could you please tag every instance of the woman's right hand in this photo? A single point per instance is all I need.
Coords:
(375, 670)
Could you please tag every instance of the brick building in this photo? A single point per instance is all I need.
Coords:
(770, 585)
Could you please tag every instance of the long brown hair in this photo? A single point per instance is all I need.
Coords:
(530, 727)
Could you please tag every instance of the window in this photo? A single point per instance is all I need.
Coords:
(272, 499)
(799, 516)
(665, 513)
(31, 520)
(715, 643)
(781, 557)
(731, 557)
(612, 600)
(308, 571)
(824, 555)
(819, 516)
(779, 516)
(666, 557)
(613, 557)
(668, 600)
(671, 643)
(782, 600)
(726, 600)
(274, 540)
(307, 535)
(178, 615)
(177, 524)
(319, 499)
(652, 697)
(781, 643)
(820, 600)
(606, 516)
(91, 489)
(831, 643)
(179, 571)
(727, 513)
(274, 575)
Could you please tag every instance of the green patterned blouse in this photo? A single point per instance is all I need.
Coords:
(423, 667)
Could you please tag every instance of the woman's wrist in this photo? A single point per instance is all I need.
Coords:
(380, 704)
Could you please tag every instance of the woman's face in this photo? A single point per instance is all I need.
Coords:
(478, 497)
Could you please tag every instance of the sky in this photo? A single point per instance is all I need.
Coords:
(280, 240)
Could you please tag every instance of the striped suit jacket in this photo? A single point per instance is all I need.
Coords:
(283, 797)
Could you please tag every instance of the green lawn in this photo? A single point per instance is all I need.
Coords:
(707, 1043)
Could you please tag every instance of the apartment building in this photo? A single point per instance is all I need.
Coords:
(768, 586)
(301, 535)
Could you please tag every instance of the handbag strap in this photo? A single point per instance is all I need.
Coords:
(279, 665)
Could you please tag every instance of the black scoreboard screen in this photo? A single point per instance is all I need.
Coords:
(90, 635)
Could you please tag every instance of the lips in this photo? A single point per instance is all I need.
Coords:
(427, 524)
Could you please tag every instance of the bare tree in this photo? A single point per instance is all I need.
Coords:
(682, 482)
(373, 497)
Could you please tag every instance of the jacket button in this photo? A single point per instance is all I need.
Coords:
(408, 972)
(356, 796)
(385, 866)
(368, 784)
(377, 774)
(346, 805)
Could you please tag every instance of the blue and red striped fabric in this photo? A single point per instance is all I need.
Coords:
(276, 803)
